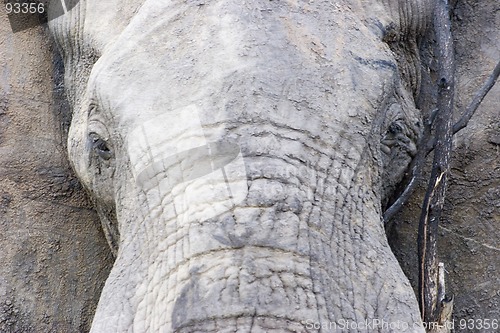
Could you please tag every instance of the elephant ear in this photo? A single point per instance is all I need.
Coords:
(109, 224)
(410, 23)
(402, 25)
(83, 32)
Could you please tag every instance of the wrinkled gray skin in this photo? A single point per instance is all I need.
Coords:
(238, 155)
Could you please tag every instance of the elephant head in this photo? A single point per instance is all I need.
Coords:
(238, 154)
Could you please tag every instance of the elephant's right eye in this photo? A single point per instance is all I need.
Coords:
(100, 146)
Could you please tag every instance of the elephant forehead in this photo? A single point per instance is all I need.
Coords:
(175, 53)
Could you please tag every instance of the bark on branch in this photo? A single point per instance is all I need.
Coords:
(434, 197)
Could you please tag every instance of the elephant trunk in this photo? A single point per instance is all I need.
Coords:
(299, 245)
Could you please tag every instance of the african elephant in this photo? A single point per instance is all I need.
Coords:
(238, 155)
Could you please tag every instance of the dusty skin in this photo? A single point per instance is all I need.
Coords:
(300, 130)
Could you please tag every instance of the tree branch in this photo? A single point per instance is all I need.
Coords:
(476, 101)
(416, 172)
(434, 306)
(434, 197)
(473, 106)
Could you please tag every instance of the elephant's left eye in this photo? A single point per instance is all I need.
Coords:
(100, 146)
